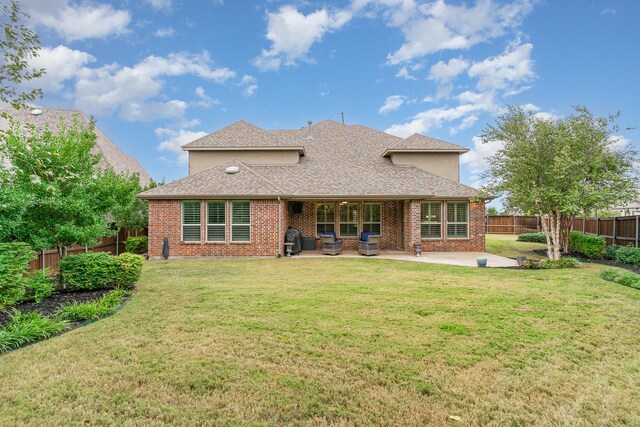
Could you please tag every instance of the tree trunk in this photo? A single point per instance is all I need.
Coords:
(62, 250)
(551, 229)
(566, 234)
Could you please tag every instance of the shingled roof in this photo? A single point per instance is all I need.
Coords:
(417, 142)
(111, 155)
(238, 134)
(342, 161)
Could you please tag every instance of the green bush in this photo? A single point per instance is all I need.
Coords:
(26, 328)
(40, 285)
(89, 271)
(627, 255)
(625, 278)
(14, 265)
(129, 269)
(105, 306)
(532, 237)
(564, 262)
(587, 245)
(101, 270)
(610, 251)
(137, 244)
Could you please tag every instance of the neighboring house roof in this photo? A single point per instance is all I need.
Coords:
(111, 155)
(238, 134)
(342, 161)
(417, 142)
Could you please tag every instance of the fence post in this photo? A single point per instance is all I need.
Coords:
(584, 224)
(637, 224)
(597, 226)
(613, 239)
(117, 242)
(43, 262)
(513, 222)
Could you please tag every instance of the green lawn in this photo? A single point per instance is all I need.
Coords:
(341, 341)
(507, 246)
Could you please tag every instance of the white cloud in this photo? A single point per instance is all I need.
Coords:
(129, 91)
(437, 26)
(392, 103)
(476, 159)
(172, 140)
(444, 72)
(249, 84)
(165, 32)
(205, 100)
(404, 73)
(160, 4)
(618, 142)
(292, 34)
(78, 20)
(507, 71)
(61, 64)
(608, 11)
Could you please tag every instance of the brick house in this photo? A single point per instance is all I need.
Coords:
(247, 186)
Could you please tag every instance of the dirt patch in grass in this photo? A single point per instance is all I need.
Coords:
(50, 305)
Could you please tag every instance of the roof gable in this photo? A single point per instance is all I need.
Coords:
(238, 134)
(417, 142)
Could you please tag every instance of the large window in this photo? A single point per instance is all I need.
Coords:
(191, 221)
(371, 218)
(240, 221)
(457, 220)
(325, 218)
(349, 219)
(431, 220)
(216, 225)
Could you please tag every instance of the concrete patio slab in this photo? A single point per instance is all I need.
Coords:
(464, 259)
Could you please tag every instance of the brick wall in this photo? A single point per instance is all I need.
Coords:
(400, 229)
(165, 220)
(474, 243)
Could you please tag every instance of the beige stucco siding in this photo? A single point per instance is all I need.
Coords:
(446, 165)
(203, 160)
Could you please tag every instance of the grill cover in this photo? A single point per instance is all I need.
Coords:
(294, 236)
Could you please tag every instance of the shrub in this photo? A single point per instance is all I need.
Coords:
(40, 285)
(89, 271)
(105, 306)
(14, 264)
(625, 278)
(129, 269)
(26, 328)
(137, 245)
(532, 237)
(587, 245)
(564, 262)
(101, 270)
(610, 251)
(627, 255)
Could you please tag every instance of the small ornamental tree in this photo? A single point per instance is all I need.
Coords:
(558, 169)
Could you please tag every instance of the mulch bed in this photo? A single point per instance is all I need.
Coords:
(607, 262)
(51, 305)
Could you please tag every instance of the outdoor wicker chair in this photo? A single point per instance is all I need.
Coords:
(370, 246)
(331, 246)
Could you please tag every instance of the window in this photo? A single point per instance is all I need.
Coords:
(349, 219)
(431, 220)
(216, 221)
(458, 220)
(371, 218)
(191, 221)
(240, 221)
(325, 218)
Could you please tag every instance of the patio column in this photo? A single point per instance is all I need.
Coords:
(411, 224)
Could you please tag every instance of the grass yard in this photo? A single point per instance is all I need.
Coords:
(341, 341)
(507, 246)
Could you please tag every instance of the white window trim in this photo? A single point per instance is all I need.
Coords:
(334, 216)
(231, 223)
(455, 222)
(357, 222)
(192, 225)
(441, 223)
(367, 222)
(224, 224)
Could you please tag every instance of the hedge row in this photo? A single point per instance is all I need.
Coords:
(99, 270)
(623, 254)
(16, 283)
(586, 245)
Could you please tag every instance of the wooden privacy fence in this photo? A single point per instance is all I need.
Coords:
(114, 244)
(622, 230)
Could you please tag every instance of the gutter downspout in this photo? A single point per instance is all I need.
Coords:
(279, 226)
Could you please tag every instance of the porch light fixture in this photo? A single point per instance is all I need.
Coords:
(344, 202)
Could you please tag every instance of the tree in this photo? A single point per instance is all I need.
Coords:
(56, 194)
(19, 45)
(558, 169)
(492, 211)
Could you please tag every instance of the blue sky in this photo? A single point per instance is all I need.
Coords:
(157, 74)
